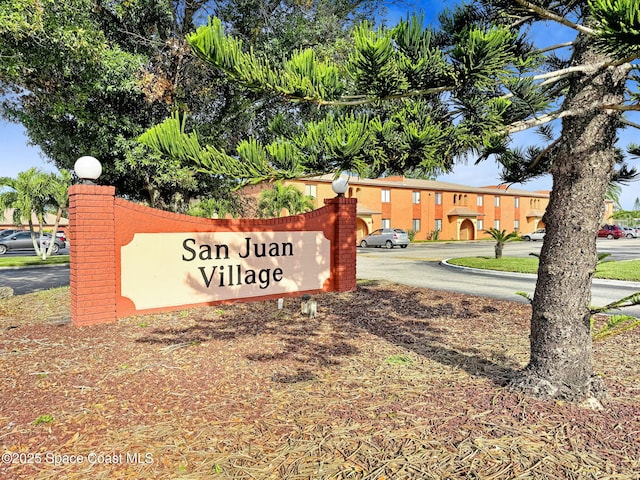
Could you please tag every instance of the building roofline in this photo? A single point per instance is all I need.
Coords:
(432, 185)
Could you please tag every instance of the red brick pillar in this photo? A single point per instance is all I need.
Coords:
(343, 252)
(93, 261)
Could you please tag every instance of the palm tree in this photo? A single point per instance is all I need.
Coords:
(613, 193)
(214, 208)
(274, 201)
(501, 237)
(59, 200)
(33, 194)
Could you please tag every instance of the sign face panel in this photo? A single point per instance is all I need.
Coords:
(172, 269)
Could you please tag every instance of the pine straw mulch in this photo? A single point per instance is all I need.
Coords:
(389, 382)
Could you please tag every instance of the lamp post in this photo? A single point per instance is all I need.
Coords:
(87, 169)
(340, 185)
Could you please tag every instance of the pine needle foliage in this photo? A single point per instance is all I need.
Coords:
(407, 100)
(303, 76)
(618, 26)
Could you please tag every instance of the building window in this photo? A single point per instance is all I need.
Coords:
(386, 197)
(415, 225)
(480, 202)
(438, 198)
(480, 224)
(416, 197)
(386, 223)
(496, 202)
(311, 191)
(516, 202)
(496, 224)
(437, 225)
(516, 225)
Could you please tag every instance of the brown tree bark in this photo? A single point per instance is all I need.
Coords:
(561, 363)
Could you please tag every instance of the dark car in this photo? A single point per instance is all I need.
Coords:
(610, 232)
(7, 232)
(22, 241)
(386, 237)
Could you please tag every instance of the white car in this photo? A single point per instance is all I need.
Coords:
(386, 237)
(537, 235)
(630, 232)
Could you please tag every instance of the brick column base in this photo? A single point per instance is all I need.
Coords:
(93, 262)
(344, 247)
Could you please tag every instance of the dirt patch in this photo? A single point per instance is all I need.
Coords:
(388, 382)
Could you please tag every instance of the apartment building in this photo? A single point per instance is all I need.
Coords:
(455, 212)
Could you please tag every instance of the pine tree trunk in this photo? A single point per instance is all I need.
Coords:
(560, 364)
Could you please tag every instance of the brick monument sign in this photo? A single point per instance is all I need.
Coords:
(130, 259)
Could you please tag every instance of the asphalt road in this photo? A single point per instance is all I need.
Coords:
(32, 279)
(420, 265)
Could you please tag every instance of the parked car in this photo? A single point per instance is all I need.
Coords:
(22, 241)
(61, 235)
(533, 236)
(7, 232)
(610, 232)
(386, 237)
(631, 232)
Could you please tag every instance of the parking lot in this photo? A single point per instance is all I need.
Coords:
(419, 266)
(622, 249)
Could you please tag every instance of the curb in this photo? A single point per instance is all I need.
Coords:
(598, 281)
(67, 265)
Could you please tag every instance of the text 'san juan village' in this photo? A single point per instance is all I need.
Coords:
(236, 274)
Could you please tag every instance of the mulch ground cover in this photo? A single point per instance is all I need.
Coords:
(388, 382)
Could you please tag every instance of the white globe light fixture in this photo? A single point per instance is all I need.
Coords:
(88, 169)
(340, 185)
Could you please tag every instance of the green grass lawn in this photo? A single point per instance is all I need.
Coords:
(33, 260)
(628, 270)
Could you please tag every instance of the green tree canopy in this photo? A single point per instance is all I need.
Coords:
(417, 131)
(87, 78)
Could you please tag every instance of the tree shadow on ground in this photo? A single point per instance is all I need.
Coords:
(284, 336)
(423, 321)
(419, 320)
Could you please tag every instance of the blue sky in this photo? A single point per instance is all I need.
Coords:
(16, 155)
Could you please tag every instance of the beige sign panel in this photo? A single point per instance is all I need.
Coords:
(172, 269)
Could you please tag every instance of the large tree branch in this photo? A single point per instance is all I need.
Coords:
(550, 117)
(551, 77)
(546, 14)
(622, 108)
(630, 123)
(365, 100)
(556, 47)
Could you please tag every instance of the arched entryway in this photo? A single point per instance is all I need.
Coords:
(361, 230)
(467, 230)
